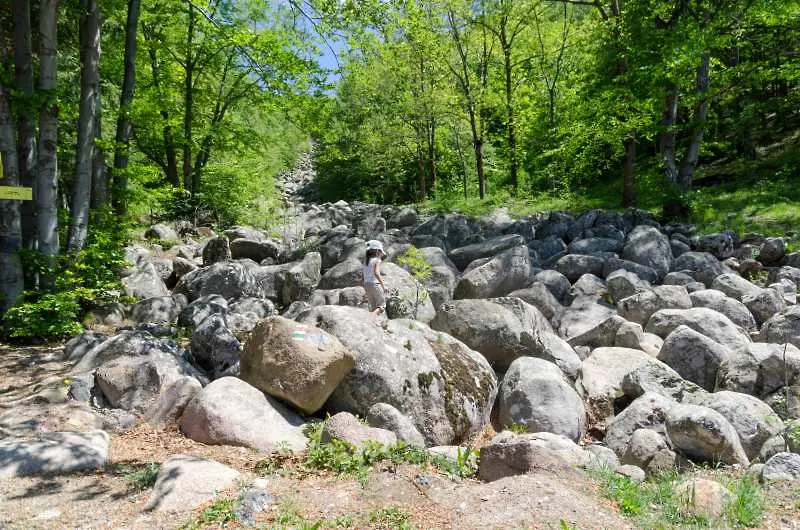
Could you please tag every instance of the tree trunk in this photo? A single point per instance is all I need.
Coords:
(89, 36)
(628, 191)
(187, 110)
(123, 134)
(421, 171)
(512, 136)
(667, 141)
(11, 277)
(432, 152)
(99, 171)
(690, 158)
(26, 124)
(47, 178)
(169, 140)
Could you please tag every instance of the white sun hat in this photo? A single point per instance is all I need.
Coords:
(374, 244)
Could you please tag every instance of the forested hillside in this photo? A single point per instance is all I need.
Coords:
(118, 114)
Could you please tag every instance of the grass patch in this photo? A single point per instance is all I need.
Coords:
(139, 477)
(653, 503)
(219, 513)
(344, 459)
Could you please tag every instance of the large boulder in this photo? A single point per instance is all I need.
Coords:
(647, 246)
(573, 266)
(444, 387)
(145, 282)
(347, 273)
(511, 454)
(185, 482)
(463, 256)
(506, 272)
(231, 412)
(764, 305)
(385, 416)
(704, 435)
(215, 250)
(163, 310)
(782, 467)
(214, 346)
(641, 306)
(713, 325)
(228, 279)
(556, 283)
(622, 284)
(407, 297)
(661, 379)
(535, 393)
(172, 401)
(444, 276)
(301, 278)
(601, 378)
(720, 245)
(582, 315)
(702, 266)
(649, 411)
(735, 310)
(734, 286)
(296, 363)
(783, 327)
(258, 251)
(129, 344)
(539, 296)
(755, 422)
(198, 310)
(694, 356)
(760, 369)
(54, 453)
(498, 332)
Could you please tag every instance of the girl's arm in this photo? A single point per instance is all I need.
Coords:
(377, 270)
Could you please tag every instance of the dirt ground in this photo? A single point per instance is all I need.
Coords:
(425, 498)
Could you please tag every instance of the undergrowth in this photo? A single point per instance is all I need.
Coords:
(141, 477)
(654, 504)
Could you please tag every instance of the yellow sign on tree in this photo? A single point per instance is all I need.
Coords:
(16, 193)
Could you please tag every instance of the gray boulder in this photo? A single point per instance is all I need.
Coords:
(231, 412)
(764, 305)
(677, 278)
(463, 256)
(216, 249)
(573, 266)
(403, 218)
(510, 454)
(557, 283)
(713, 325)
(385, 416)
(407, 297)
(128, 343)
(181, 267)
(647, 246)
(228, 279)
(734, 286)
(772, 250)
(588, 285)
(719, 245)
(162, 310)
(783, 327)
(622, 284)
(641, 306)
(258, 251)
(161, 232)
(755, 422)
(631, 335)
(301, 278)
(78, 345)
(296, 363)
(506, 272)
(444, 387)
(144, 283)
(214, 346)
(346, 428)
(602, 335)
(702, 266)
(54, 453)
(661, 379)
(185, 482)
(582, 315)
(649, 411)
(197, 311)
(782, 467)
(704, 435)
(614, 264)
(760, 369)
(736, 311)
(535, 393)
(347, 273)
(592, 245)
(539, 296)
(694, 356)
(172, 400)
(642, 447)
(548, 247)
(601, 377)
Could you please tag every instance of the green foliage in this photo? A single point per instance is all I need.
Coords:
(344, 459)
(518, 428)
(415, 263)
(81, 281)
(390, 517)
(141, 477)
(220, 512)
(653, 503)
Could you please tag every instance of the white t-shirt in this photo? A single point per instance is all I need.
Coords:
(369, 271)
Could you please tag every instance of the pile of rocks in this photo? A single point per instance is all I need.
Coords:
(661, 345)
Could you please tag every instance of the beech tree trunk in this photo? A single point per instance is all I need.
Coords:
(11, 277)
(47, 177)
(99, 170)
(26, 119)
(698, 128)
(188, 103)
(123, 134)
(668, 136)
(87, 113)
(512, 135)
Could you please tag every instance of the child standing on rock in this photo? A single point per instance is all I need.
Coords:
(373, 281)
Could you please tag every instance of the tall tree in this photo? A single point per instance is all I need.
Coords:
(190, 61)
(89, 36)
(11, 278)
(26, 117)
(122, 143)
(47, 178)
